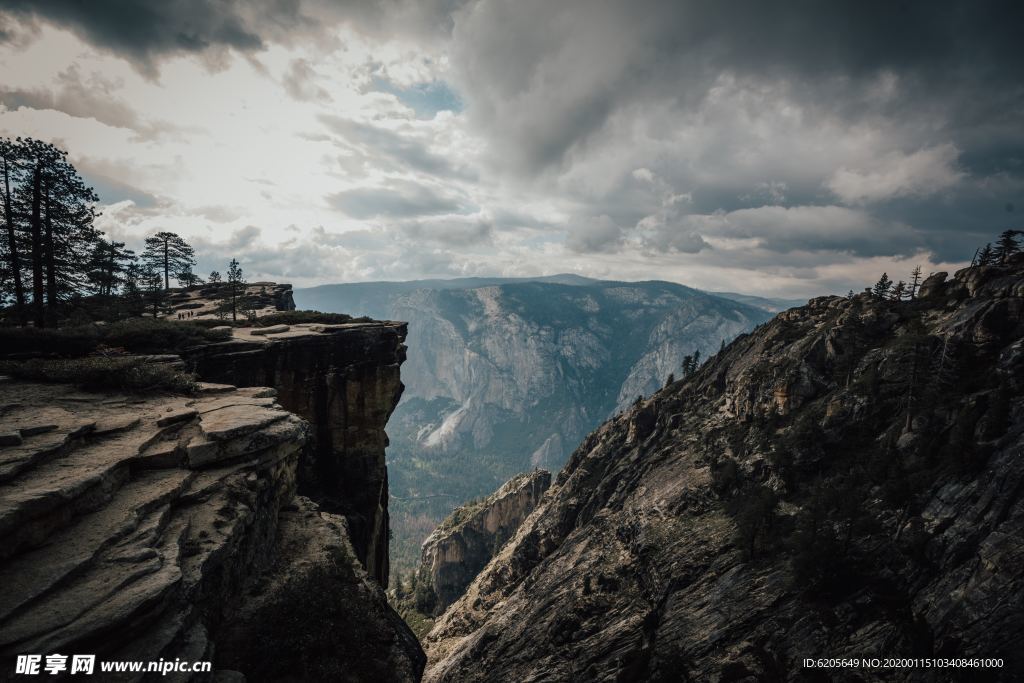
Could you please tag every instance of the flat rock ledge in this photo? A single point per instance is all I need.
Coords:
(127, 523)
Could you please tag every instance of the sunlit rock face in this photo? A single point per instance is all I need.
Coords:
(468, 538)
(845, 479)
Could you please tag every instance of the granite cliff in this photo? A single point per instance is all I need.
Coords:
(245, 524)
(203, 301)
(844, 481)
(469, 537)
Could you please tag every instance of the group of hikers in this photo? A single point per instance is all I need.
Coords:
(183, 315)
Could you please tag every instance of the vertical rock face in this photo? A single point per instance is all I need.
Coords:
(844, 481)
(466, 541)
(343, 379)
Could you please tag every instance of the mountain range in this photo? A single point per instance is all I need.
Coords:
(506, 375)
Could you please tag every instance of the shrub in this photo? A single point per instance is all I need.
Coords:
(424, 597)
(141, 335)
(754, 514)
(149, 335)
(97, 373)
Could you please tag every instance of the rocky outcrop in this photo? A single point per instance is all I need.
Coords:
(203, 301)
(468, 538)
(140, 528)
(845, 481)
(343, 379)
(167, 527)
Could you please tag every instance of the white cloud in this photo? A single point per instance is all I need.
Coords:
(918, 174)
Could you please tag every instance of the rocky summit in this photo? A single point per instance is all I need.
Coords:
(844, 481)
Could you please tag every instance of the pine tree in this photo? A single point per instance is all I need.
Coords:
(882, 287)
(234, 293)
(153, 289)
(187, 278)
(107, 266)
(987, 256)
(1006, 246)
(214, 277)
(899, 291)
(168, 253)
(60, 235)
(10, 153)
(671, 379)
(915, 282)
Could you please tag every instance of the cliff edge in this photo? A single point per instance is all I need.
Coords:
(345, 380)
(241, 524)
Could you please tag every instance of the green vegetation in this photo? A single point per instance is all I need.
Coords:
(99, 373)
(136, 335)
(414, 600)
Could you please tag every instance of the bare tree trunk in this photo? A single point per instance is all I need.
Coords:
(12, 247)
(167, 278)
(37, 248)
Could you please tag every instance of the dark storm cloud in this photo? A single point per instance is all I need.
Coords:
(143, 30)
(454, 231)
(551, 75)
(859, 128)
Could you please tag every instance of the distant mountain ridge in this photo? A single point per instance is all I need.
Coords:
(504, 375)
(370, 294)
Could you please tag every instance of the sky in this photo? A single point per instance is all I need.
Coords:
(776, 148)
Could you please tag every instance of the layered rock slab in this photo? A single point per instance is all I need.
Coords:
(133, 528)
